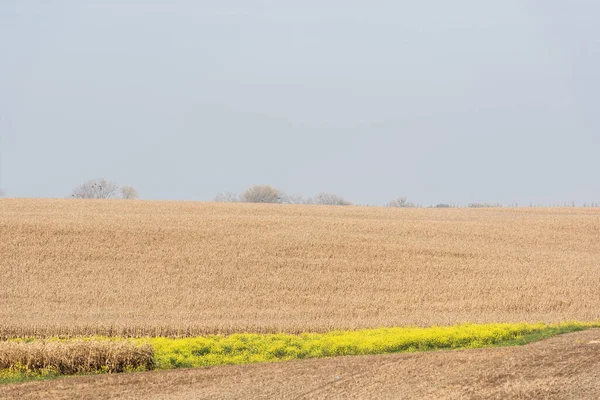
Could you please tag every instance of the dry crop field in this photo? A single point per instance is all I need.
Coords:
(186, 268)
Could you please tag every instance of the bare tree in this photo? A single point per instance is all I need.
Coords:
(401, 202)
(261, 194)
(129, 193)
(226, 197)
(331, 200)
(96, 189)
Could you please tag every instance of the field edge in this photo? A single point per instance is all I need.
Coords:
(248, 348)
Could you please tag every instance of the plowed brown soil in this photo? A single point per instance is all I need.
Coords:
(563, 367)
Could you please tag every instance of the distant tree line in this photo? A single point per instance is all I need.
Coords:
(106, 189)
(484, 205)
(268, 194)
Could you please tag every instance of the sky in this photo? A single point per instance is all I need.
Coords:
(441, 102)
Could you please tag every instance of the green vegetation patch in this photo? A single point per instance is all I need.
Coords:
(22, 374)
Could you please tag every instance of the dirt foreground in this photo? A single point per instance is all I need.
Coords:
(564, 367)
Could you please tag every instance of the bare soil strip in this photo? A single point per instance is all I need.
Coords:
(563, 367)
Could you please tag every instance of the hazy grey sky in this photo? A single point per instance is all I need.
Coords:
(439, 101)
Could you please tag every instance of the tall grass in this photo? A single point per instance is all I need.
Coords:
(76, 356)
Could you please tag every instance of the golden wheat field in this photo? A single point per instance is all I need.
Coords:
(190, 268)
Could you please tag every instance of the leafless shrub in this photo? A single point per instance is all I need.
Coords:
(295, 199)
(129, 193)
(226, 197)
(261, 194)
(331, 200)
(401, 202)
